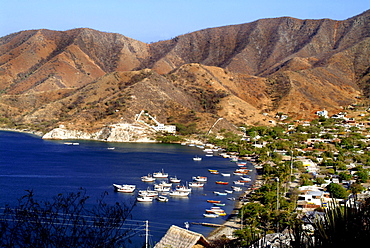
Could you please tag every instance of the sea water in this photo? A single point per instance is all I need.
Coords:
(50, 167)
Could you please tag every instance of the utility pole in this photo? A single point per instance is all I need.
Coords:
(146, 233)
(277, 202)
(277, 194)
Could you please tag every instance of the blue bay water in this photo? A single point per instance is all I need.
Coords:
(50, 167)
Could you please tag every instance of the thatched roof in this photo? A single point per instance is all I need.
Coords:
(181, 238)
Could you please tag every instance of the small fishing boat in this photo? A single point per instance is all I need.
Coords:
(196, 158)
(162, 198)
(144, 199)
(237, 188)
(211, 215)
(148, 178)
(160, 174)
(196, 184)
(179, 193)
(238, 183)
(222, 182)
(148, 192)
(124, 188)
(200, 179)
(161, 188)
(219, 204)
(213, 201)
(215, 210)
(175, 180)
(225, 174)
(183, 188)
(164, 184)
(228, 191)
(219, 193)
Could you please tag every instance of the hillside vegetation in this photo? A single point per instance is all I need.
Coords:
(245, 74)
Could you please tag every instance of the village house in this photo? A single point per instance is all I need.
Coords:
(312, 197)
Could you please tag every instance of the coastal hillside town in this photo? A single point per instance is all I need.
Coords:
(306, 169)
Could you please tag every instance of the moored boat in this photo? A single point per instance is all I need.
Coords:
(237, 188)
(200, 179)
(238, 183)
(161, 188)
(162, 198)
(213, 201)
(160, 174)
(196, 158)
(144, 199)
(179, 193)
(222, 182)
(219, 204)
(211, 215)
(196, 184)
(124, 188)
(219, 193)
(183, 188)
(148, 192)
(225, 174)
(175, 180)
(148, 178)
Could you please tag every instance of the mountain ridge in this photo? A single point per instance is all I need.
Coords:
(243, 73)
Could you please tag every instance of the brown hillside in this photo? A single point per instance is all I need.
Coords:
(243, 73)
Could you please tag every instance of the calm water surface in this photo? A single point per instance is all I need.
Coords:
(51, 167)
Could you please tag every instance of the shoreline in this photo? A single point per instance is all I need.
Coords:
(38, 134)
(232, 223)
(227, 228)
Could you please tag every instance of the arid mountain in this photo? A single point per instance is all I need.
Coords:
(245, 74)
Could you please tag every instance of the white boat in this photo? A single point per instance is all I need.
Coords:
(160, 174)
(111, 148)
(196, 184)
(148, 192)
(144, 199)
(210, 215)
(175, 180)
(148, 178)
(238, 183)
(183, 188)
(246, 179)
(200, 179)
(162, 198)
(164, 184)
(215, 210)
(161, 188)
(219, 193)
(179, 193)
(236, 188)
(225, 174)
(196, 158)
(228, 191)
(241, 163)
(124, 188)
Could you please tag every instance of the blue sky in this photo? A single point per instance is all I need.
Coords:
(154, 20)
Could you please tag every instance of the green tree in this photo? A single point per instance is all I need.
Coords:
(337, 191)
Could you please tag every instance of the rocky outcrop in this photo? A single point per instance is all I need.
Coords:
(123, 132)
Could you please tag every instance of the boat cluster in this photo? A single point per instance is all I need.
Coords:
(163, 189)
(215, 212)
